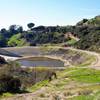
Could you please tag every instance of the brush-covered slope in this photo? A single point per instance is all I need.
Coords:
(89, 33)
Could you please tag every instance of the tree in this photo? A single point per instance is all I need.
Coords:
(3, 30)
(82, 22)
(12, 29)
(9, 84)
(19, 29)
(5, 33)
(30, 25)
(3, 42)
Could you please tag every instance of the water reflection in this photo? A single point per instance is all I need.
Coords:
(41, 63)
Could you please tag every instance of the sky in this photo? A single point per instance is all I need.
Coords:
(46, 12)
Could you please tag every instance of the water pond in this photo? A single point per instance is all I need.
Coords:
(40, 62)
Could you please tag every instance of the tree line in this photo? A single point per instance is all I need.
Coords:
(16, 36)
(87, 30)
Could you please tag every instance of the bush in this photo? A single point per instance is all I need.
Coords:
(9, 84)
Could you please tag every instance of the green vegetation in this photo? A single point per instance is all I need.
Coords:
(90, 42)
(33, 79)
(70, 85)
(71, 42)
(16, 41)
(86, 75)
(5, 95)
(86, 30)
(83, 97)
(73, 83)
(89, 33)
(9, 84)
(16, 36)
(14, 79)
(94, 21)
(76, 82)
(38, 86)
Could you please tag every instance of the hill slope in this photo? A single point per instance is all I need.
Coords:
(74, 83)
(87, 32)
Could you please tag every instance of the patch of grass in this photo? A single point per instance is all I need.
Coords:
(97, 95)
(86, 75)
(7, 94)
(71, 42)
(38, 86)
(83, 97)
(67, 71)
(61, 73)
(60, 84)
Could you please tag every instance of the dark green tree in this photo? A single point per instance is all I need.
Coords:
(30, 25)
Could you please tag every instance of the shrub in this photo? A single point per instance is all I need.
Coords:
(42, 95)
(9, 84)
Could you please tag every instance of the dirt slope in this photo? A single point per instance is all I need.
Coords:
(96, 64)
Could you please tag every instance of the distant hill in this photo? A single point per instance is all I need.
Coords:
(94, 21)
(91, 22)
(87, 31)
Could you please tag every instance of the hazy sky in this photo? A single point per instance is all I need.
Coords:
(46, 12)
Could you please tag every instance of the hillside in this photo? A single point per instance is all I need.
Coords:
(89, 33)
(72, 84)
(76, 82)
(92, 22)
(86, 31)
(80, 79)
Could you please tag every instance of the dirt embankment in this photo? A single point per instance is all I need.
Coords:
(67, 55)
(24, 51)
(71, 55)
(8, 53)
(96, 63)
